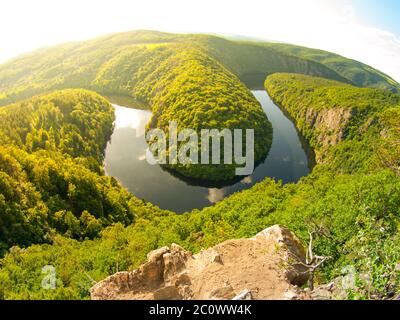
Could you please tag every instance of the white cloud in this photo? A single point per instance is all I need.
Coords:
(215, 195)
(247, 180)
(378, 48)
(330, 24)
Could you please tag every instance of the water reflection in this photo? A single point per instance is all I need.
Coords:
(215, 195)
(131, 118)
(125, 159)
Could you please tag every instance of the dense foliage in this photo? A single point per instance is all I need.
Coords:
(54, 195)
(358, 73)
(80, 64)
(75, 122)
(344, 110)
(184, 85)
(50, 170)
(353, 197)
(185, 78)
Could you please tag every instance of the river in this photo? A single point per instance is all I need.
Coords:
(125, 159)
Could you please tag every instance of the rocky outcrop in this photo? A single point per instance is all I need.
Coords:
(331, 291)
(264, 267)
(329, 124)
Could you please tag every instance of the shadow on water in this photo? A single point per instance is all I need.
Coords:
(289, 159)
(211, 183)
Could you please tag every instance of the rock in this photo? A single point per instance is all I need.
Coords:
(290, 295)
(175, 261)
(223, 293)
(264, 265)
(209, 256)
(294, 253)
(330, 286)
(182, 280)
(167, 293)
(329, 125)
(331, 291)
(216, 257)
(156, 255)
(244, 295)
(108, 288)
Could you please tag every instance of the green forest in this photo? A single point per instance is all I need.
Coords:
(52, 181)
(196, 80)
(57, 206)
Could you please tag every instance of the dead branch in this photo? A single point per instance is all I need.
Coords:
(313, 262)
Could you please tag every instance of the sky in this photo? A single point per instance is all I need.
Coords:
(365, 30)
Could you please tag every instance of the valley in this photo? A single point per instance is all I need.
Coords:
(125, 159)
(71, 199)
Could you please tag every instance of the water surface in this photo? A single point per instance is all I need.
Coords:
(125, 159)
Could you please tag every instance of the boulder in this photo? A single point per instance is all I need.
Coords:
(222, 293)
(293, 253)
(262, 267)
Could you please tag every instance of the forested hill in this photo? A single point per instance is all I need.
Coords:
(356, 72)
(83, 64)
(196, 80)
(351, 199)
(51, 179)
(58, 208)
(74, 122)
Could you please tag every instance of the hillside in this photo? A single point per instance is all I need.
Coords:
(195, 80)
(260, 268)
(182, 84)
(176, 79)
(358, 73)
(350, 200)
(328, 112)
(58, 208)
(51, 179)
(80, 64)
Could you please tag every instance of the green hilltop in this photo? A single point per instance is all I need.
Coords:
(80, 64)
(196, 80)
